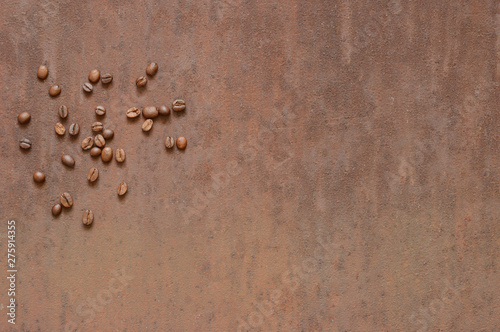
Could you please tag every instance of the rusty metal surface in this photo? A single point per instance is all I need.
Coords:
(341, 172)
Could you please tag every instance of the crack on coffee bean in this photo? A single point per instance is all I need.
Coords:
(106, 78)
(66, 200)
(87, 143)
(141, 82)
(25, 143)
(74, 129)
(93, 174)
(87, 87)
(63, 111)
(88, 217)
(59, 128)
(100, 110)
(122, 189)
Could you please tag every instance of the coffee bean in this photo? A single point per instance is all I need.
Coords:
(122, 189)
(164, 110)
(147, 125)
(42, 72)
(100, 110)
(120, 155)
(97, 126)
(150, 112)
(181, 142)
(38, 177)
(93, 174)
(56, 209)
(108, 133)
(87, 143)
(141, 82)
(94, 76)
(107, 154)
(59, 128)
(169, 142)
(133, 112)
(88, 217)
(106, 78)
(68, 160)
(99, 140)
(152, 68)
(24, 117)
(179, 105)
(87, 87)
(63, 111)
(25, 143)
(66, 200)
(95, 151)
(54, 90)
(74, 129)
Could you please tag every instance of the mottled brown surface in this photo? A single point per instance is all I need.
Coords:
(342, 161)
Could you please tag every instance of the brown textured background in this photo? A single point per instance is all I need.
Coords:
(372, 125)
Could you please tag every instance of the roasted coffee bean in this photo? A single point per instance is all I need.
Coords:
(106, 78)
(95, 151)
(59, 128)
(87, 87)
(38, 177)
(25, 143)
(42, 72)
(141, 82)
(179, 105)
(97, 126)
(94, 76)
(147, 125)
(120, 155)
(108, 133)
(181, 142)
(56, 209)
(107, 154)
(152, 68)
(66, 200)
(74, 129)
(88, 217)
(68, 160)
(100, 110)
(24, 117)
(99, 140)
(169, 142)
(87, 143)
(164, 110)
(122, 189)
(54, 90)
(63, 111)
(133, 112)
(93, 174)
(150, 112)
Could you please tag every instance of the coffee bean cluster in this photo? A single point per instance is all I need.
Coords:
(94, 76)
(97, 143)
(65, 200)
(149, 113)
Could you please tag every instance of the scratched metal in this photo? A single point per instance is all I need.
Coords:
(341, 173)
